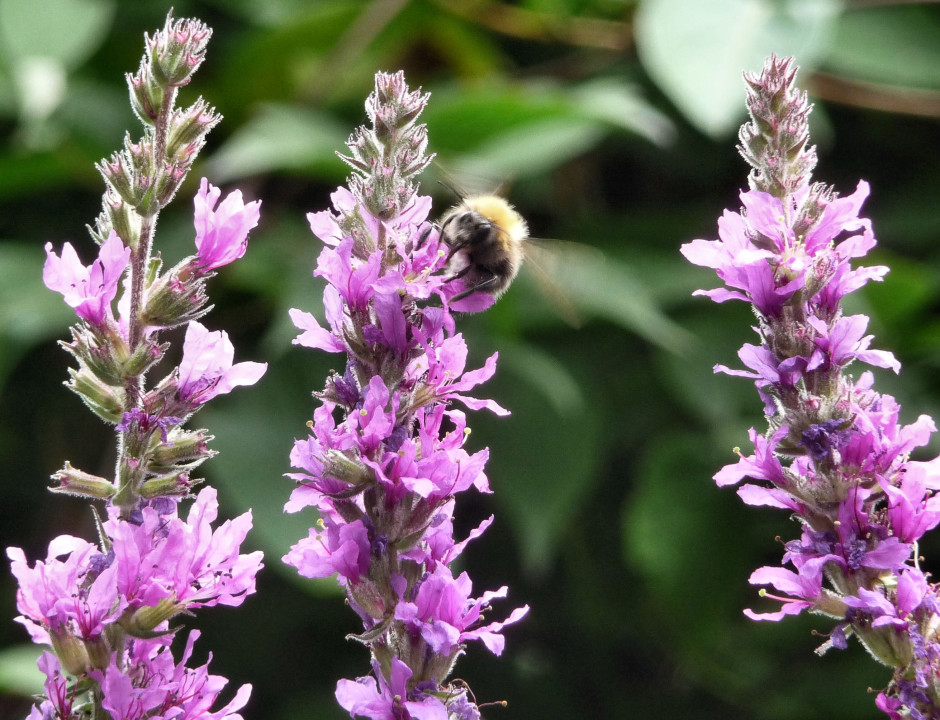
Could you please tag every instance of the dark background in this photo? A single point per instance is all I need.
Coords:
(608, 124)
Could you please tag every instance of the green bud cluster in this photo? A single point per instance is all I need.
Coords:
(386, 158)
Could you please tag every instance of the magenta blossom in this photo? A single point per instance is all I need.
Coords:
(445, 615)
(89, 290)
(222, 232)
(70, 593)
(150, 684)
(206, 369)
(188, 561)
(390, 699)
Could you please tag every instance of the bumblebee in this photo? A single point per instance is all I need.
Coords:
(487, 242)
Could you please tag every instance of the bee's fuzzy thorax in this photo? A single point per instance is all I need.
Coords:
(499, 212)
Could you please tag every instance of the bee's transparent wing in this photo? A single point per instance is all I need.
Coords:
(549, 261)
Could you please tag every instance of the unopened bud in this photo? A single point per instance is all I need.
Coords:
(70, 651)
(188, 129)
(147, 95)
(340, 467)
(99, 652)
(142, 622)
(177, 51)
(175, 299)
(181, 446)
(121, 218)
(168, 182)
(175, 484)
(105, 401)
(72, 481)
(119, 175)
(147, 354)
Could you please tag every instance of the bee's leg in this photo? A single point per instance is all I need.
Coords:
(481, 286)
(460, 273)
(423, 237)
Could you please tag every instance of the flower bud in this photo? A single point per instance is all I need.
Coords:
(72, 481)
(885, 644)
(175, 484)
(177, 51)
(176, 298)
(181, 446)
(147, 96)
(99, 652)
(105, 401)
(140, 156)
(188, 129)
(118, 173)
(168, 182)
(339, 466)
(142, 622)
(70, 651)
(147, 354)
(120, 217)
(369, 598)
(99, 352)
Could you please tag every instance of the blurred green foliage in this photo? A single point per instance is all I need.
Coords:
(610, 123)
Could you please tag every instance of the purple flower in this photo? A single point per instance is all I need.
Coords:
(89, 290)
(151, 684)
(843, 342)
(188, 561)
(445, 615)
(389, 699)
(802, 588)
(206, 369)
(59, 697)
(222, 232)
(335, 548)
(59, 596)
(913, 508)
(822, 439)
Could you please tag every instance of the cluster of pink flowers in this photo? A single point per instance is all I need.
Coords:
(106, 612)
(106, 608)
(836, 455)
(387, 455)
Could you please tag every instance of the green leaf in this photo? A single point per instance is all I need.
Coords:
(895, 45)
(620, 105)
(547, 454)
(18, 672)
(280, 137)
(531, 149)
(29, 313)
(697, 51)
(67, 31)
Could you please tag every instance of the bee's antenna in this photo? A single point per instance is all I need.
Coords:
(453, 189)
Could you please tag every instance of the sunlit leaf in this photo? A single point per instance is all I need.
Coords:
(29, 312)
(18, 672)
(279, 138)
(697, 51)
(67, 31)
(893, 45)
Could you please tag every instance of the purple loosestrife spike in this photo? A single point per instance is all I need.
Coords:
(106, 609)
(84, 598)
(387, 454)
(836, 454)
